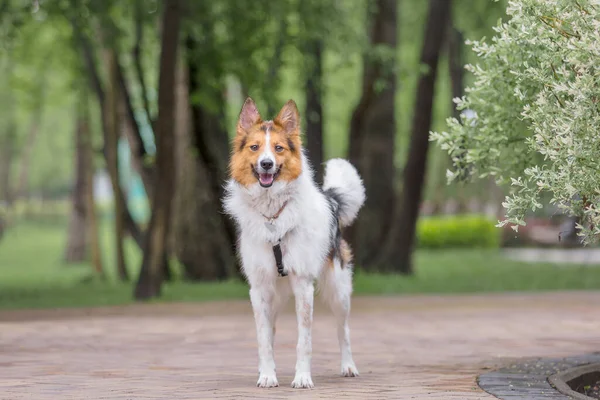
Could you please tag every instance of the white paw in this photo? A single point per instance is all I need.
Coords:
(303, 381)
(349, 370)
(267, 381)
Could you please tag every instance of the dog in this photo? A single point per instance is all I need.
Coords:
(290, 233)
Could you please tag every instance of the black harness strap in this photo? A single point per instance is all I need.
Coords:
(279, 259)
(277, 247)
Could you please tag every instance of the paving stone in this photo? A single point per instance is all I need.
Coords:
(407, 347)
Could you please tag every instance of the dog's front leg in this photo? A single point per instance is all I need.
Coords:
(262, 302)
(303, 289)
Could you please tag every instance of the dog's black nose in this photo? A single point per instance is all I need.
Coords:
(266, 164)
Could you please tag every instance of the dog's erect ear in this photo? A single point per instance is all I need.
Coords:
(249, 116)
(288, 117)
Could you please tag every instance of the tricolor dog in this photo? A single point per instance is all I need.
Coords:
(290, 233)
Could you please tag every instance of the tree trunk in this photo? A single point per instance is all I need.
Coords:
(136, 55)
(456, 64)
(314, 107)
(438, 182)
(7, 151)
(398, 254)
(90, 205)
(204, 236)
(90, 64)
(25, 161)
(133, 134)
(200, 241)
(76, 250)
(372, 139)
(151, 271)
(32, 133)
(112, 162)
(457, 74)
(8, 140)
(111, 33)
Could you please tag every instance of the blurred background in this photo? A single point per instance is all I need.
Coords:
(115, 122)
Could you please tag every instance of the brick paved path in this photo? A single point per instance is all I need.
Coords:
(416, 347)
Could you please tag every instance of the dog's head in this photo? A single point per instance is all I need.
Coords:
(265, 152)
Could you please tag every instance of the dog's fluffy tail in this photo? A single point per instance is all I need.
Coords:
(344, 186)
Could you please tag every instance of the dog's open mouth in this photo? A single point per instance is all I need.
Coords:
(266, 179)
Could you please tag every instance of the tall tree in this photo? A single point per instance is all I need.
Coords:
(111, 146)
(113, 37)
(373, 131)
(136, 55)
(456, 67)
(89, 166)
(88, 56)
(206, 241)
(200, 239)
(151, 272)
(132, 132)
(8, 134)
(8, 139)
(398, 252)
(77, 238)
(38, 97)
(314, 104)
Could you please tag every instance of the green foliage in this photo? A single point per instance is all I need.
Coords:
(477, 18)
(258, 48)
(535, 96)
(236, 45)
(37, 93)
(457, 231)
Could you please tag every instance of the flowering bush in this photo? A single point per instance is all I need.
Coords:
(535, 110)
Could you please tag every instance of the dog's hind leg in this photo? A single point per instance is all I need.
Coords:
(262, 299)
(336, 288)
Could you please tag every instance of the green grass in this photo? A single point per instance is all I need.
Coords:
(32, 275)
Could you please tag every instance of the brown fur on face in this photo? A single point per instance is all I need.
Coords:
(251, 130)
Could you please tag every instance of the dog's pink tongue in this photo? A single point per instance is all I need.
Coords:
(266, 179)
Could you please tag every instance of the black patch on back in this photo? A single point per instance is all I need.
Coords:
(243, 143)
(335, 202)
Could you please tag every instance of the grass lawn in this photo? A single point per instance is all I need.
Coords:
(32, 275)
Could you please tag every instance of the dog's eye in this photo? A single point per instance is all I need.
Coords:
(254, 147)
(278, 149)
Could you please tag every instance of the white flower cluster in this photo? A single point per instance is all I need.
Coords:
(535, 110)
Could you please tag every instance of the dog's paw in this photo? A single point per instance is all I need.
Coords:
(349, 370)
(267, 381)
(303, 381)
